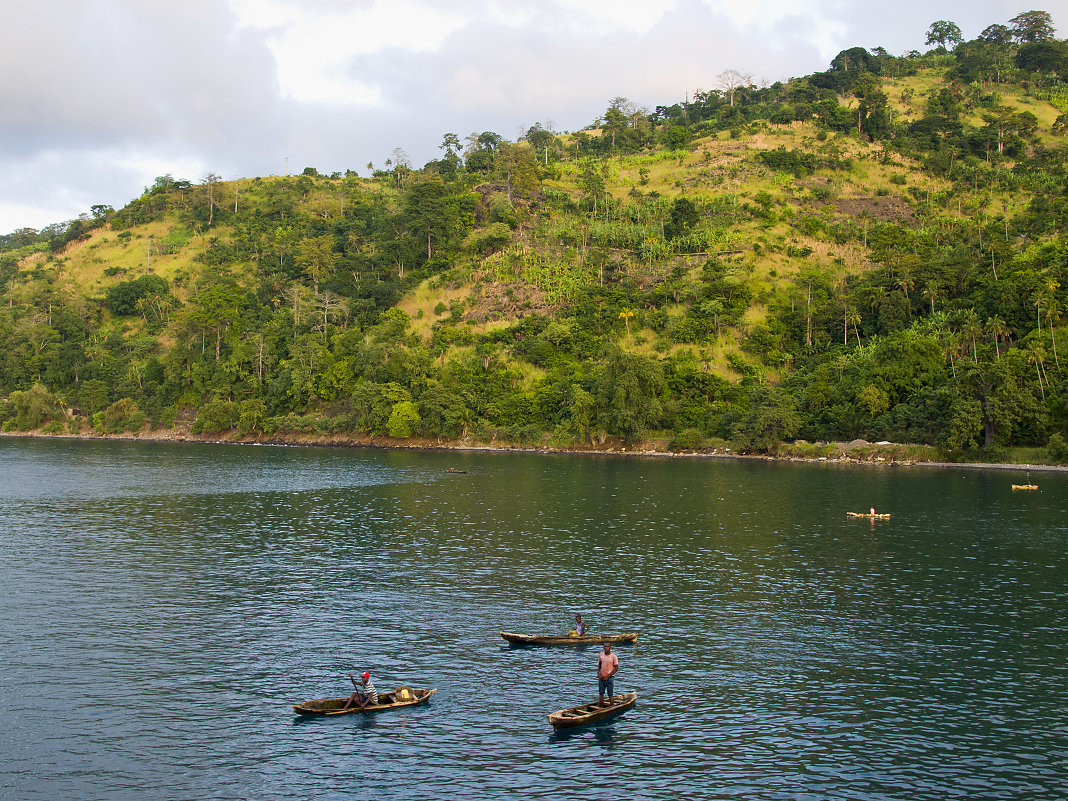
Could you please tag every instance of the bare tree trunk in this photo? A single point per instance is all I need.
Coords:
(808, 319)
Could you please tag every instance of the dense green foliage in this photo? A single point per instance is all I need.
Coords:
(657, 272)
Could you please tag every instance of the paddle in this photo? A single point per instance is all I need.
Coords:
(346, 711)
(347, 708)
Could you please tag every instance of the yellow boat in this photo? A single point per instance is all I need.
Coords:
(869, 515)
(1025, 486)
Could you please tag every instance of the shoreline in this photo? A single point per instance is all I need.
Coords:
(645, 449)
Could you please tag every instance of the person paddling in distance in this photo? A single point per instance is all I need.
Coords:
(365, 695)
(581, 629)
(607, 665)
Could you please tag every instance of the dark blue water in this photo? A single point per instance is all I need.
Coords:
(164, 605)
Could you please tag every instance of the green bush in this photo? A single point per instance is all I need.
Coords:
(122, 415)
(34, 407)
(216, 416)
(252, 414)
(1058, 447)
(121, 299)
(404, 419)
(689, 439)
(165, 418)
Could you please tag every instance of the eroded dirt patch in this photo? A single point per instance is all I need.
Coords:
(884, 209)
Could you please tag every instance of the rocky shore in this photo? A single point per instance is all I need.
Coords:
(857, 452)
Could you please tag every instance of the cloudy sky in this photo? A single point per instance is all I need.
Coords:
(99, 97)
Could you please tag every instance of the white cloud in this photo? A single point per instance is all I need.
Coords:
(317, 47)
(608, 16)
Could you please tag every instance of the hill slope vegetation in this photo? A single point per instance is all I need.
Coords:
(877, 251)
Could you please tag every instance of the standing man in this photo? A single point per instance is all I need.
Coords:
(607, 665)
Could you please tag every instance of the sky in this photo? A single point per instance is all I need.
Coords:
(99, 97)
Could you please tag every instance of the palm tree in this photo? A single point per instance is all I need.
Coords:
(1036, 355)
(1053, 314)
(952, 348)
(853, 316)
(997, 328)
(905, 280)
(972, 328)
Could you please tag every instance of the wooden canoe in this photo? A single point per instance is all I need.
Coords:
(566, 639)
(401, 697)
(591, 713)
(877, 516)
(1025, 486)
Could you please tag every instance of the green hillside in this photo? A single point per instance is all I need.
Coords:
(877, 251)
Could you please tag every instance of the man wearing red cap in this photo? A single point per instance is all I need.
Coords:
(365, 695)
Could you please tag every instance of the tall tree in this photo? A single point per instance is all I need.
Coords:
(1032, 26)
(943, 33)
(996, 34)
(316, 257)
(731, 81)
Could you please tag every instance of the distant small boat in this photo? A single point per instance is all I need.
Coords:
(566, 639)
(591, 713)
(1025, 486)
(454, 470)
(869, 515)
(401, 697)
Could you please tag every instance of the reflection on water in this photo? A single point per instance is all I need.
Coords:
(603, 734)
(164, 605)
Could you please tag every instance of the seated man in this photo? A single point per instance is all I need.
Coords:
(365, 695)
(581, 629)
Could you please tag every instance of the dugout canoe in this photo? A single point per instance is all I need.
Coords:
(566, 639)
(869, 516)
(584, 714)
(397, 699)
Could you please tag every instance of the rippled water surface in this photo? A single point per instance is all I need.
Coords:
(164, 605)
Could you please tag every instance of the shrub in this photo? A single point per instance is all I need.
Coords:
(216, 416)
(122, 415)
(251, 415)
(34, 407)
(121, 299)
(404, 419)
(690, 439)
(1058, 447)
(489, 239)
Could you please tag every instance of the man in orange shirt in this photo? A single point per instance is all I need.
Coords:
(607, 665)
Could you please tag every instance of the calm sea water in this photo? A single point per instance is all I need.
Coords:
(164, 605)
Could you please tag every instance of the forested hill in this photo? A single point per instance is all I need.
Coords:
(878, 251)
